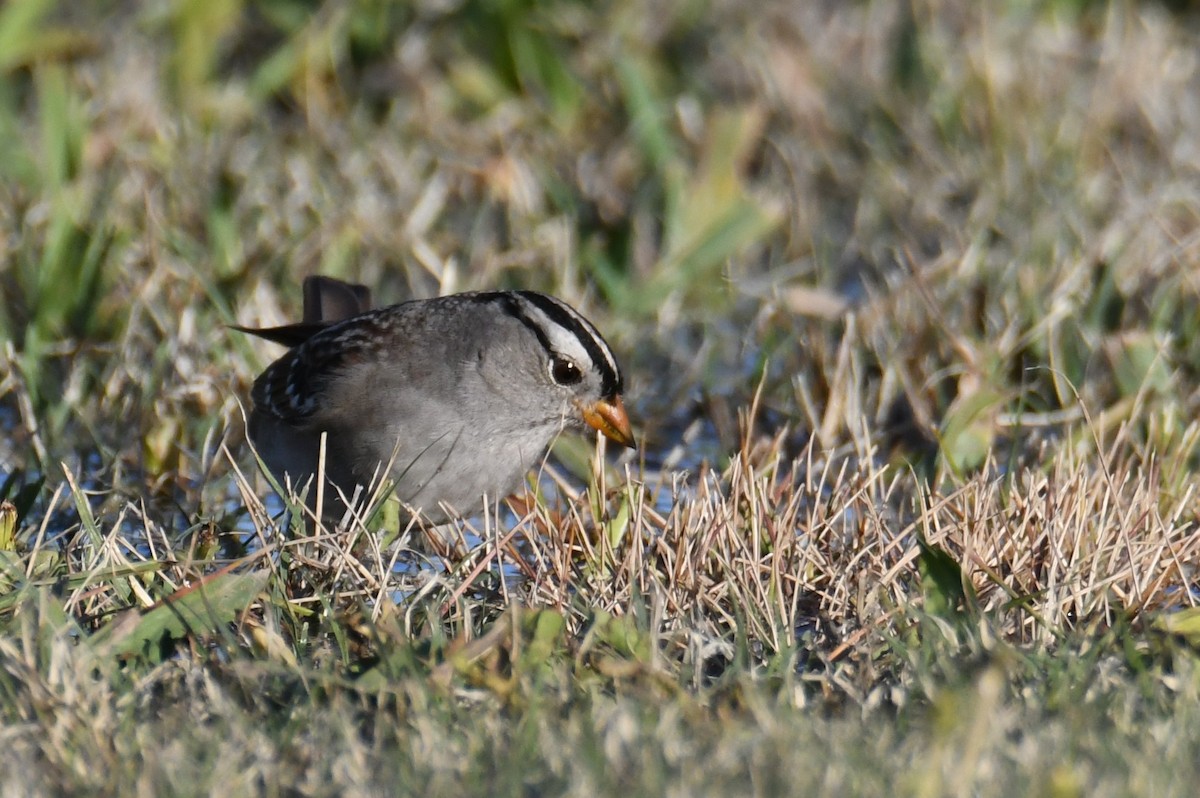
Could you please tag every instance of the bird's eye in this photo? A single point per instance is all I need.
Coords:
(564, 372)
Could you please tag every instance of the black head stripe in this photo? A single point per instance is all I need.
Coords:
(596, 347)
(513, 308)
(611, 382)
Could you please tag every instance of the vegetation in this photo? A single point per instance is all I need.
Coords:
(907, 297)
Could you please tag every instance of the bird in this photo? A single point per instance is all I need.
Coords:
(451, 399)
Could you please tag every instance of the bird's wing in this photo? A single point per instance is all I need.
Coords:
(291, 387)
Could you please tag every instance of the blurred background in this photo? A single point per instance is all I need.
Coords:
(919, 231)
(908, 300)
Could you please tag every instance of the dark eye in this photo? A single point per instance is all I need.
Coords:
(564, 372)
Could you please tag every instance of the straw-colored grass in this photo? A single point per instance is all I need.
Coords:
(906, 295)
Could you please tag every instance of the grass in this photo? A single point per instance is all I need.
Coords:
(906, 298)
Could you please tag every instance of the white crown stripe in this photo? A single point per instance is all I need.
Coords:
(601, 344)
(530, 302)
(565, 338)
(291, 388)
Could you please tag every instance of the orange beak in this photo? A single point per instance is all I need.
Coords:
(609, 418)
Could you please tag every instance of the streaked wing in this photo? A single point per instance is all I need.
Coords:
(291, 387)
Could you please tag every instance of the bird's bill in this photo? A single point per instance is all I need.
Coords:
(609, 418)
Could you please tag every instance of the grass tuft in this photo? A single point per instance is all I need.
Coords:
(905, 296)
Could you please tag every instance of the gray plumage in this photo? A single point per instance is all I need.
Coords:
(461, 395)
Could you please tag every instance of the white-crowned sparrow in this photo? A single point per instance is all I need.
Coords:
(449, 398)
